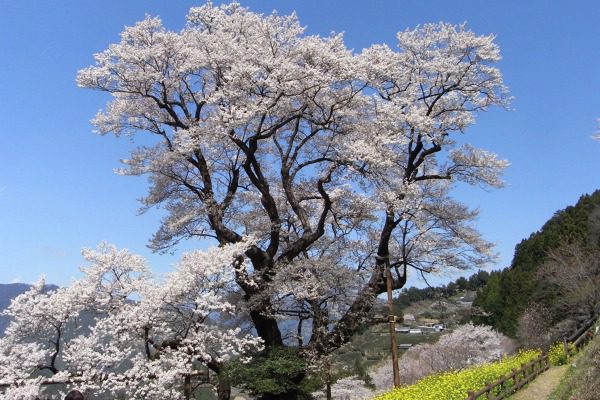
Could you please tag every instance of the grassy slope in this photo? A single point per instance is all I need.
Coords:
(582, 380)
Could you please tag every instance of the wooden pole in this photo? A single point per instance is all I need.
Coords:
(392, 322)
(187, 387)
(328, 383)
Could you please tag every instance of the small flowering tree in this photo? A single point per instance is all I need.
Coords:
(141, 339)
(534, 327)
(573, 269)
(350, 388)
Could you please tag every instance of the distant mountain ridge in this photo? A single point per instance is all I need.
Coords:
(9, 291)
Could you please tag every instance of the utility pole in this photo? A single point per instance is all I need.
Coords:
(391, 320)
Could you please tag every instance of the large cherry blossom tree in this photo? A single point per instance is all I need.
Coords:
(335, 162)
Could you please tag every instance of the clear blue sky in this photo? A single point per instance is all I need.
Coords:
(57, 189)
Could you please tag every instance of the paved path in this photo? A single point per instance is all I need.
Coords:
(542, 386)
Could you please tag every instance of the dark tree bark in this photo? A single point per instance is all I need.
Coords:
(224, 385)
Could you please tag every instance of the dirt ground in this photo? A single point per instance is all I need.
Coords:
(542, 386)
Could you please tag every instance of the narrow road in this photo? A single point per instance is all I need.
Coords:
(542, 386)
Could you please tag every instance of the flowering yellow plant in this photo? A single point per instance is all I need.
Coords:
(557, 355)
(454, 385)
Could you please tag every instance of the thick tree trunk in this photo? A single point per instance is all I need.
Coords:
(257, 299)
(224, 385)
(267, 329)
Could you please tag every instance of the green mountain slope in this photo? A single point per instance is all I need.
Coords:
(508, 293)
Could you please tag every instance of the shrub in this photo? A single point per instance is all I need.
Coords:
(274, 372)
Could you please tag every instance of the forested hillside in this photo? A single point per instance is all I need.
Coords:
(410, 295)
(507, 294)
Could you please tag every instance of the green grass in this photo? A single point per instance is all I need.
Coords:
(563, 389)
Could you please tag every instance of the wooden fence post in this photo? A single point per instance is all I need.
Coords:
(488, 387)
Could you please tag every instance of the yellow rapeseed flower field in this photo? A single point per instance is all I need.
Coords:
(454, 385)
